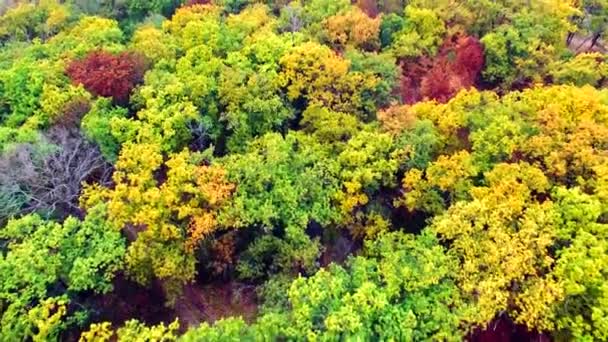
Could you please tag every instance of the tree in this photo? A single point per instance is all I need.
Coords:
(569, 148)
(108, 75)
(249, 91)
(154, 44)
(195, 25)
(391, 24)
(165, 220)
(396, 119)
(585, 68)
(63, 105)
(370, 295)
(502, 237)
(330, 128)
(20, 22)
(581, 267)
(445, 181)
(532, 40)
(439, 84)
(47, 178)
(384, 67)
(27, 21)
(46, 259)
(367, 164)
(253, 21)
(23, 85)
(469, 59)
(335, 88)
(87, 35)
(96, 126)
(283, 185)
(353, 28)
(456, 66)
(166, 125)
(174, 99)
(422, 34)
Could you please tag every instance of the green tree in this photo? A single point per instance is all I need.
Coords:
(283, 184)
(371, 294)
(249, 91)
(582, 69)
(43, 255)
(390, 26)
(97, 127)
(422, 34)
(532, 39)
(381, 65)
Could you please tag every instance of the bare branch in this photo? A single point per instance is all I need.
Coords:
(48, 177)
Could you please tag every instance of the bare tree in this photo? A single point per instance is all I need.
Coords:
(48, 177)
(293, 15)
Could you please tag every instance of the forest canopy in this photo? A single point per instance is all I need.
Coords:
(334, 170)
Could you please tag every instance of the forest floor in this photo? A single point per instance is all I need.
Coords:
(502, 329)
(209, 303)
(580, 44)
(198, 303)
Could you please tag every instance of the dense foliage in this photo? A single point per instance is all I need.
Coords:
(376, 170)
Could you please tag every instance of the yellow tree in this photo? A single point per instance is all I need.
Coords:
(449, 177)
(353, 28)
(153, 43)
(165, 208)
(194, 25)
(315, 74)
(502, 239)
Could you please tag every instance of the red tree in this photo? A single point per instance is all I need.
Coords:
(108, 75)
(456, 67)
(469, 60)
(440, 83)
(413, 73)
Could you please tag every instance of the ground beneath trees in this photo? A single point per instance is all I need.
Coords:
(209, 303)
(503, 329)
(580, 44)
(198, 303)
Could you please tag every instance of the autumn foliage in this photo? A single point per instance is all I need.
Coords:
(468, 60)
(329, 170)
(108, 75)
(457, 66)
(354, 28)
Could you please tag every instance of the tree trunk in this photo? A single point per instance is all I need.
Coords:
(596, 37)
(570, 37)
